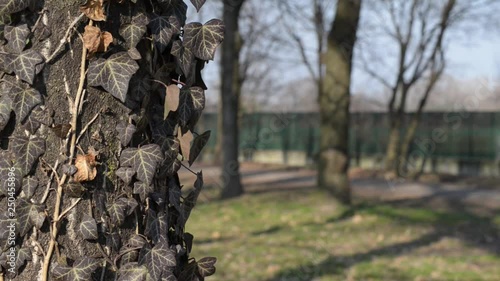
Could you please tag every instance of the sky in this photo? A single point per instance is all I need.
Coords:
(471, 55)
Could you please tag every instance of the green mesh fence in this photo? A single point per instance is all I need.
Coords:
(466, 136)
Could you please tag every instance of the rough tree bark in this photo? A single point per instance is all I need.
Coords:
(334, 101)
(230, 92)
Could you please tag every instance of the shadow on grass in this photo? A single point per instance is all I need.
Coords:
(477, 231)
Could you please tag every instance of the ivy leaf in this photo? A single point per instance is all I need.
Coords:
(134, 31)
(144, 160)
(88, 228)
(185, 141)
(174, 196)
(188, 240)
(168, 276)
(159, 259)
(206, 266)
(132, 272)
(198, 98)
(114, 241)
(198, 4)
(39, 115)
(125, 131)
(5, 169)
(198, 144)
(171, 99)
(113, 74)
(125, 174)
(136, 241)
(162, 29)
(140, 86)
(192, 197)
(190, 272)
(171, 164)
(131, 205)
(143, 190)
(16, 37)
(176, 8)
(117, 212)
(28, 150)
(94, 10)
(13, 6)
(81, 271)
(30, 185)
(185, 57)
(152, 226)
(204, 39)
(29, 215)
(5, 110)
(185, 110)
(23, 255)
(25, 98)
(27, 64)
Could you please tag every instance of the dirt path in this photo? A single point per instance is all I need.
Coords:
(259, 178)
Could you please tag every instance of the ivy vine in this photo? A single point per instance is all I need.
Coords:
(152, 64)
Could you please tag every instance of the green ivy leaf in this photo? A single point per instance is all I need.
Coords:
(13, 6)
(159, 259)
(198, 4)
(186, 108)
(5, 221)
(81, 271)
(198, 144)
(190, 272)
(27, 151)
(176, 8)
(125, 174)
(204, 39)
(29, 215)
(125, 132)
(192, 198)
(136, 241)
(114, 241)
(38, 116)
(185, 57)
(163, 28)
(113, 74)
(23, 255)
(152, 226)
(132, 272)
(168, 276)
(134, 31)
(206, 266)
(25, 98)
(171, 164)
(174, 196)
(16, 37)
(88, 228)
(117, 211)
(5, 165)
(30, 185)
(27, 64)
(143, 190)
(5, 110)
(144, 160)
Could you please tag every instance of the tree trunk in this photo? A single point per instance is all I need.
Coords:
(392, 152)
(334, 101)
(230, 92)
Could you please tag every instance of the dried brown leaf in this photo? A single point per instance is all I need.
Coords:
(185, 142)
(171, 99)
(95, 40)
(94, 10)
(86, 165)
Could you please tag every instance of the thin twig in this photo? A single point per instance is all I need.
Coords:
(49, 183)
(57, 207)
(69, 209)
(87, 127)
(64, 39)
(194, 173)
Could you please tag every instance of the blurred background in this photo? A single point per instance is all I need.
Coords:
(352, 140)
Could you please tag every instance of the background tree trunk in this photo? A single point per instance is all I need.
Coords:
(334, 101)
(230, 93)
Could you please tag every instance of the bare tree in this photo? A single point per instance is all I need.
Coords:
(418, 30)
(334, 100)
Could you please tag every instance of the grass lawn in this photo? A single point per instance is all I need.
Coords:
(304, 235)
